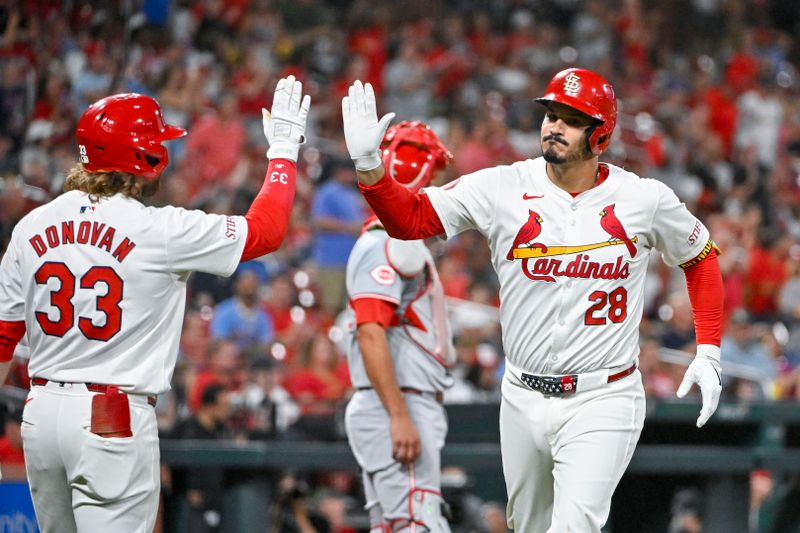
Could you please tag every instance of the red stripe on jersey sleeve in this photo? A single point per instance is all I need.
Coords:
(404, 214)
(373, 310)
(268, 216)
(10, 335)
(704, 281)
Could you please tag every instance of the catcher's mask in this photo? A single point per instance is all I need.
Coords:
(412, 153)
(591, 94)
(123, 133)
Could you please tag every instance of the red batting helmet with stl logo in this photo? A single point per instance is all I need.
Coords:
(412, 152)
(589, 93)
(123, 133)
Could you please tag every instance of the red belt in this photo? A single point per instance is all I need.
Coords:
(619, 375)
(92, 387)
(438, 395)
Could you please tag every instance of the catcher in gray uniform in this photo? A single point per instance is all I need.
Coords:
(399, 352)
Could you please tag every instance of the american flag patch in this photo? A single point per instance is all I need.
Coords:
(87, 209)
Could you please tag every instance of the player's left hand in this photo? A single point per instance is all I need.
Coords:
(705, 371)
(285, 126)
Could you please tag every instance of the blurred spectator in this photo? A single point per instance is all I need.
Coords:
(742, 346)
(205, 487)
(678, 323)
(407, 84)
(318, 387)
(224, 369)
(241, 319)
(766, 273)
(660, 379)
(12, 460)
(93, 83)
(494, 517)
(338, 212)
(272, 410)
(215, 146)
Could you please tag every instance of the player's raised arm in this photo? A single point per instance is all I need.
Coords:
(284, 128)
(404, 214)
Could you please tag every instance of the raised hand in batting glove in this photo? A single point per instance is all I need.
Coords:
(705, 371)
(285, 127)
(363, 132)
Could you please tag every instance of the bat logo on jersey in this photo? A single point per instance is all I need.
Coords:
(87, 209)
(611, 224)
(539, 262)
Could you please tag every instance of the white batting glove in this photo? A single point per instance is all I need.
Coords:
(363, 132)
(285, 127)
(705, 371)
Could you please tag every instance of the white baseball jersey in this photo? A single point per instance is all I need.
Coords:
(371, 274)
(102, 287)
(571, 270)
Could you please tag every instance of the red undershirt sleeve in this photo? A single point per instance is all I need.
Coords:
(268, 216)
(404, 214)
(706, 293)
(373, 310)
(10, 335)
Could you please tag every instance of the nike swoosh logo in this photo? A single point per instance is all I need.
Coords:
(526, 196)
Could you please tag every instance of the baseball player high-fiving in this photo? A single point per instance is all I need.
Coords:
(97, 282)
(399, 353)
(569, 238)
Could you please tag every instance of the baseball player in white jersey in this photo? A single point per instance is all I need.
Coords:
(569, 239)
(97, 282)
(399, 353)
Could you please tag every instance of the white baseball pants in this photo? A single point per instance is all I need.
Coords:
(563, 457)
(81, 482)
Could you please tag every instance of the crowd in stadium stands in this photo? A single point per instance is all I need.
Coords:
(708, 94)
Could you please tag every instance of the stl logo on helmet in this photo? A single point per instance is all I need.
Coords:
(542, 262)
(572, 84)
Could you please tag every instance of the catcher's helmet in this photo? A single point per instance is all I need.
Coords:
(411, 152)
(589, 93)
(124, 133)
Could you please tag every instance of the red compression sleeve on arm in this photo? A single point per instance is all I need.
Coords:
(704, 281)
(373, 310)
(405, 215)
(268, 216)
(10, 334)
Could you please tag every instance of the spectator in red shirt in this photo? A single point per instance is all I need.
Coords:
(766, 274)
(224, 369)
(318, 387)
(12, 460)
(216, 144)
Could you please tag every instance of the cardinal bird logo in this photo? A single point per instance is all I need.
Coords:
(529, 231)
(611, 224)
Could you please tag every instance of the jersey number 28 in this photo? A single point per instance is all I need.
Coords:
(617, 301)
(61, 299)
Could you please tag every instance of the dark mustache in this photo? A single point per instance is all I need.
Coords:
(555, 138)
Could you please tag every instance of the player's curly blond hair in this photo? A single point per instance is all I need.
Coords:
(104, 184)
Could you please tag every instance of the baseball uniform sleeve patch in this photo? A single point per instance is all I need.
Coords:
(384, 274)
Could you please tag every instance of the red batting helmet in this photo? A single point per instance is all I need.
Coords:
(589, 93)
(411, 152)
(123, 133)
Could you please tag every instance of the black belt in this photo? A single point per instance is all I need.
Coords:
(438, 395)
(92, 387)
(566, 384)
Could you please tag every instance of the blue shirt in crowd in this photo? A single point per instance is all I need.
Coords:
(342, 202)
